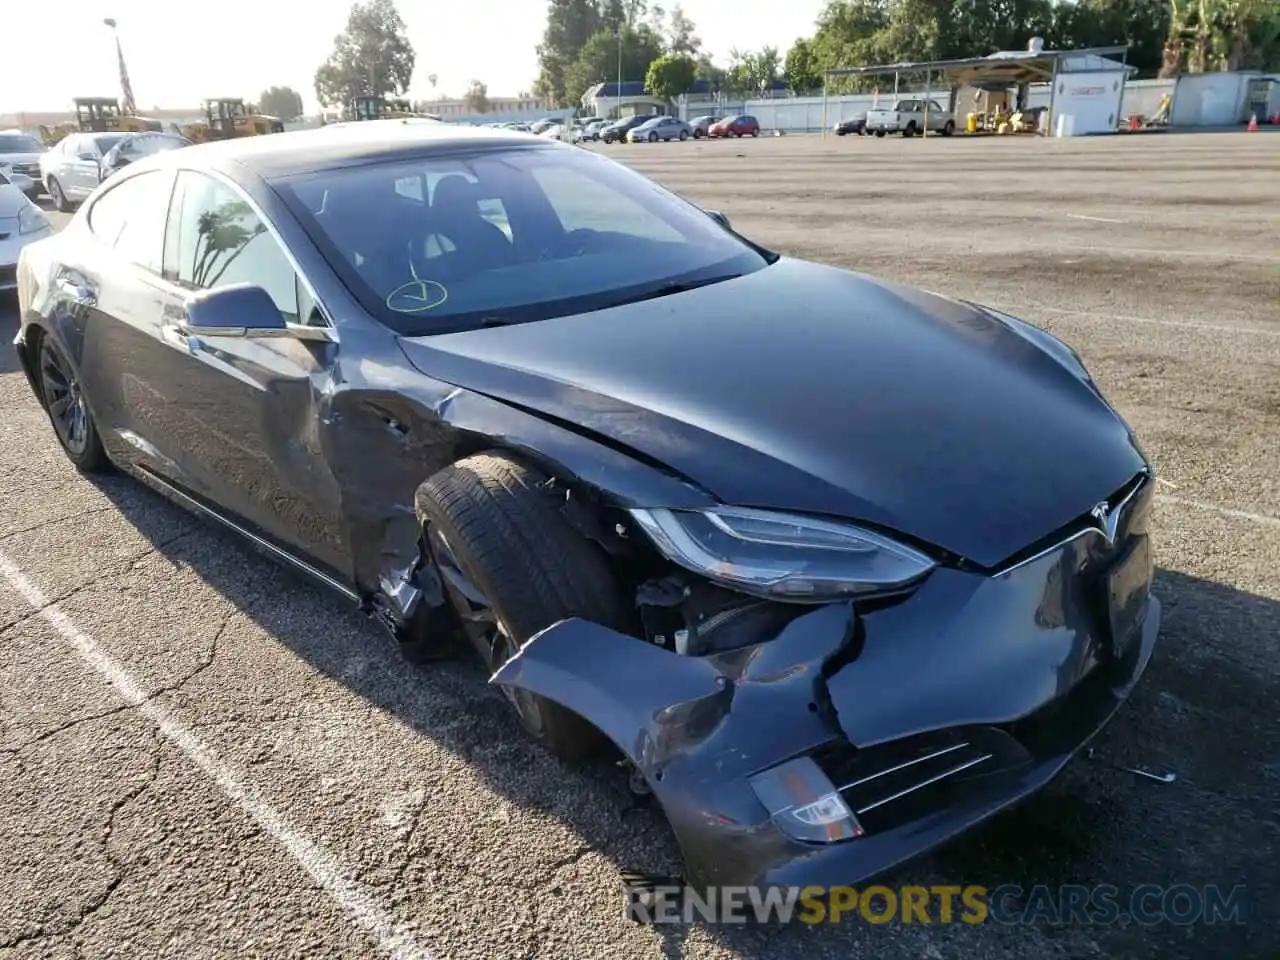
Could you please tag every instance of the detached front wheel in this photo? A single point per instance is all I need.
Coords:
(512, 565)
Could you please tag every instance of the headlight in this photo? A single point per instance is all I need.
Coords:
(31, 219)
(780, 556)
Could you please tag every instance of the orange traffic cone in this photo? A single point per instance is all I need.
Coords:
(1253, 123)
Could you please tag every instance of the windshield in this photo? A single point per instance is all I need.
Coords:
(19, 143)
(450, 241)
(108, 141)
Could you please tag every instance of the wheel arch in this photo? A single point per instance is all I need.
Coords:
(383, 446)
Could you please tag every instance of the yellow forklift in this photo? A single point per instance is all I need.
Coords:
(103, 115)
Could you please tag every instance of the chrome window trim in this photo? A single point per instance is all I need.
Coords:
(1147, 476)
(293, 328)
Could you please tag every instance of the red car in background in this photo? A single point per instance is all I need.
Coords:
(735, 127)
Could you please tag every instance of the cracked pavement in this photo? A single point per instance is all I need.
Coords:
(114, 844)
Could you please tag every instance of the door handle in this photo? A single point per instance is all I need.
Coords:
(180, 337)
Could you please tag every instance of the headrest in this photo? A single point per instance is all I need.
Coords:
(456, 194)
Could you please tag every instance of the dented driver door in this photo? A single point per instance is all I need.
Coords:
(244, 411)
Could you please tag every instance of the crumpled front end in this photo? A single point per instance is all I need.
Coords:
(854, 740)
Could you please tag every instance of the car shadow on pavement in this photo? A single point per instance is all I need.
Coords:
(8, 330)
(1196, 713)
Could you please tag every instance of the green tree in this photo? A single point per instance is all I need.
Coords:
(371, 57)
(755, 70)
(679, 33)
(570, 24)
(282, 102)
(671, 75)
(801, 69)
(477, 97)
(598, 61)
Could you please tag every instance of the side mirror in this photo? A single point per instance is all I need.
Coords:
(719, 218)
(237, 310)
(89, 157)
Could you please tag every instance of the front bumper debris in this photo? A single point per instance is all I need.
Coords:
(851, 743)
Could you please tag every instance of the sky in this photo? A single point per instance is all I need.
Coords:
(178, 55)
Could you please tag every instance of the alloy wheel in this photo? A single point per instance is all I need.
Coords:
(487, 633)
(64, 399)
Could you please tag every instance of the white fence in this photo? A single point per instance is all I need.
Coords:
(805, 114)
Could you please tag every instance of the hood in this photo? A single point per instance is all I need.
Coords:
(805, 388)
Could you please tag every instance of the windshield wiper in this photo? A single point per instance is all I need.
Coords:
(675, 286)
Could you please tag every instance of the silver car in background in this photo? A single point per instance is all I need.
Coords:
(21, 223)
(660, 128)
(20, 155)
(73, 168)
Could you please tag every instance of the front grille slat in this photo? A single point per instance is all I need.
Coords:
(894, 783)
(925, 783)
(902, 766)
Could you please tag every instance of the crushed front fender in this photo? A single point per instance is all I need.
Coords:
(721, 738)
(698, 727)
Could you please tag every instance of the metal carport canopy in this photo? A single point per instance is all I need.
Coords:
(1010, 66)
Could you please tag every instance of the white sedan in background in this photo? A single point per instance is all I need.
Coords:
(564, 132)
(21, 223)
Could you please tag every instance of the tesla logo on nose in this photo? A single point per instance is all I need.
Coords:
(1108, 522)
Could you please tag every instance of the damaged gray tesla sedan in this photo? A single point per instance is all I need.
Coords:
(841, 567)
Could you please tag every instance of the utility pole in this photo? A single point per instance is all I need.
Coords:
(618, 32)
(129, 107)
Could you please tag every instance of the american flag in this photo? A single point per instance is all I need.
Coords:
(128, 107)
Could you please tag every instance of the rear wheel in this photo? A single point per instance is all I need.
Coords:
(755, 133)
(68, 410)
(949, 128)
(910, 131)
(512, 566)
(653, 138)
(879, 133)
(684, 135)
(60, 202)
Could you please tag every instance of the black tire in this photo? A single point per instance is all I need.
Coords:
(60, 201)
(512, 542)
(755, 133)
(68, 409)
(911, 129)
(879, 133)
(841, 132)
(653, 138)
(684, 135)
(949, 128)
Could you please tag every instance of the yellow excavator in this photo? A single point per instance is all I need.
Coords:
(55, 133)
(103, 115)
(229, 117)
(379, 108)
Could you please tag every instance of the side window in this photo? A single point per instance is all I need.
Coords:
(220, 241)
(585, 204)
(131, 217)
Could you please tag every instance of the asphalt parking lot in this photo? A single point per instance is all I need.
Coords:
(202, 755)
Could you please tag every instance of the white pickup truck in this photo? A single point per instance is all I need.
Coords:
(908, 118)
